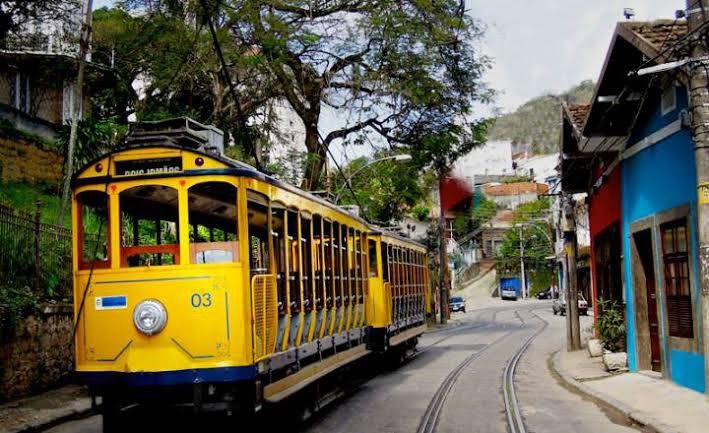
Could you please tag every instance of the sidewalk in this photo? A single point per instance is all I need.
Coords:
(42, 411)
(655, 403)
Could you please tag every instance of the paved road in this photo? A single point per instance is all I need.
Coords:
(394, 402)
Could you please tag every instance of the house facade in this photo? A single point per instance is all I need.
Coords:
(633, 153)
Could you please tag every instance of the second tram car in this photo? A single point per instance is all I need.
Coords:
(198, 279)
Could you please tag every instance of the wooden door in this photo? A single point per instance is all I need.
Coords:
(643, 241)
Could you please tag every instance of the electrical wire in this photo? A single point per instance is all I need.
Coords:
(232, 90)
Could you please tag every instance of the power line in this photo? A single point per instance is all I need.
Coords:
(232, 90)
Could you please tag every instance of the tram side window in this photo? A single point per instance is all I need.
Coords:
(306, 224)
(93, 225)
(257, 208)
(318, 260)
(329, 264)
(213, 223)
(278, 227)
(149, 232)
(339, 281)
(385, 261)
(372, 255)
(294, 261)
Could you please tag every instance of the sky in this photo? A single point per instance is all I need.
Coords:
(541, 46)
(538, 46)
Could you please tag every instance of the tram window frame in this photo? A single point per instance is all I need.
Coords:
(223, 249)
(306, 251)
(259, 238)
(138, 212)
(385, 260)
(372, 255)
(280, 254)
(100, 211)
(294, 261)
(318, 250)
(339, 281)
(329, 263)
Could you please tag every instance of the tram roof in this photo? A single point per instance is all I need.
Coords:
(237, 168)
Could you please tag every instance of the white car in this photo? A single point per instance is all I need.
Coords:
(559, 305)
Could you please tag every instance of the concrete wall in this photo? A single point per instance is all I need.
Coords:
(24, 161)
(658, 179)
(39, 355)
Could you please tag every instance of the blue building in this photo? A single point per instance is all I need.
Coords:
(641, 122)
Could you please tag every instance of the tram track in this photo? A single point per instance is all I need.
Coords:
(429, 420)
(513, 411)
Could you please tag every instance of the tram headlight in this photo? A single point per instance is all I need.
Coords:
(150, 317)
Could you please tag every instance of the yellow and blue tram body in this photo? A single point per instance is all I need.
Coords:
(203, 280)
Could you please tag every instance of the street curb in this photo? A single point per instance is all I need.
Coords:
(74, 412)
(635, 416)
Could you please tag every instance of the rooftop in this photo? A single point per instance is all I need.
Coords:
(660, 33)
(516, 188)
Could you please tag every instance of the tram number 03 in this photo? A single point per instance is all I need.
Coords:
(201, 300)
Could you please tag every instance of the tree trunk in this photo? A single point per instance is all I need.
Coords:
(317, 155)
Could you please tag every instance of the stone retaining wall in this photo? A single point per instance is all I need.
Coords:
(40, 354)
(25, 161)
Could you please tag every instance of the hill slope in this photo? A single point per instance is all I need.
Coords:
(536, 125)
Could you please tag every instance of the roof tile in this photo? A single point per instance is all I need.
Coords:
(661, 33)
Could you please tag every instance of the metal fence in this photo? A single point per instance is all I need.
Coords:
(34, 254)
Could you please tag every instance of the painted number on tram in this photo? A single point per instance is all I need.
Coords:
(201, 300)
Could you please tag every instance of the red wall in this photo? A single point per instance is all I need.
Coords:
(603, 210)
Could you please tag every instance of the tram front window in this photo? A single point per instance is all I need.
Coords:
(213, 223)
(93, 229)
(149, 235)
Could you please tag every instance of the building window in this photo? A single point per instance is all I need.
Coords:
(669, 99)
(675, 258)
(20, 92)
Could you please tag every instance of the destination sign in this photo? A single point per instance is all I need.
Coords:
(142, 167)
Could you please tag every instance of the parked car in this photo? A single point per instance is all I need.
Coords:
(559, 305)
(545, 294)
(457, 304)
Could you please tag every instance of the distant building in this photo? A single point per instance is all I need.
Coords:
(286, 141)
(493, 233)
(494, 158)
(538, 167)
(511, 195)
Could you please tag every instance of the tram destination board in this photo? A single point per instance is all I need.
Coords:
(143, 167)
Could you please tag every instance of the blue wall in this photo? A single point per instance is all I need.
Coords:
(660, 178)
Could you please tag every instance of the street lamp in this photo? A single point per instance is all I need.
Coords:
(398, 158)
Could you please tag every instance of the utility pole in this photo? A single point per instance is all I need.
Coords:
(521, 262)
(573, 335)
(697, 12)
(443, 250)
(84, 41)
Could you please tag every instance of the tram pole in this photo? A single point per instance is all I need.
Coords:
(443, 251)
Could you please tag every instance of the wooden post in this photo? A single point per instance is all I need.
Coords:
(37, 252)
(697, 16)
(572, 306)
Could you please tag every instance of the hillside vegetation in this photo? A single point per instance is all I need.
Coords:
(536, 124)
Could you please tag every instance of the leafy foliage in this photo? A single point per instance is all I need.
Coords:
(405, 71)
(16, 302)
(480, 212)
(611, 325)
(386, 189)
(94, 138)
(535, 126)
(534, 234)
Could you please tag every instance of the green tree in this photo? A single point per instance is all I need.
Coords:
(532, 232)
(400, 69)
(386, 190)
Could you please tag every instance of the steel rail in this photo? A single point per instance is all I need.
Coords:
(429, 420)
(512, 408)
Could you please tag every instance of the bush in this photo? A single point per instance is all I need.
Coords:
(611, 326)
(16, 303)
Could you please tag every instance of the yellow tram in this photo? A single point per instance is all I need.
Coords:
(198, 279)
